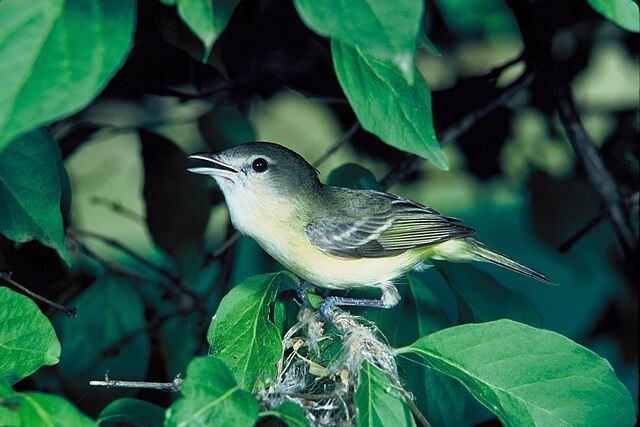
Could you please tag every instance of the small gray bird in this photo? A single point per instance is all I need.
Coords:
(333, 237)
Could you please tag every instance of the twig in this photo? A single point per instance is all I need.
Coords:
(631, 203)
(407, 398)
(586, 151)
(118, 208)
(176, 281)
(412, 162)
(346, 137)
(71, 312)
(109, 265)
(173, 386)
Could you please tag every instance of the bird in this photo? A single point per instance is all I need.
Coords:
(333, 237)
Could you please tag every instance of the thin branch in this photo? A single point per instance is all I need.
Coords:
(412, 162)
(176, 281)
(118, 208)
(6, 276)
(173, 386)
(631, 203)
(345, 138)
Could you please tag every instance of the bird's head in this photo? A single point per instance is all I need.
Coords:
(259, 169)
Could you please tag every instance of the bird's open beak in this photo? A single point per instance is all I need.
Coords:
(217, 169)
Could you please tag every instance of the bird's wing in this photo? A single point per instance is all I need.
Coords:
(380, 225)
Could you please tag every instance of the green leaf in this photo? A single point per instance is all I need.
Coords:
(176, 218)
(242, 335)
(212, 397)
(386, 104)
(108, 335)
(40, 409)
(207, 19)
(377, 402)
(481, 298)
(132, 412)
(436, 395)
(354, 176)
(8, 413)
(30, 188)
(290, 414)
(529, 376)
(624, 13)
(56, 56)
(381, 29)
(27, 339)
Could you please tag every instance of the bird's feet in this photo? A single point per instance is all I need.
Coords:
(302, 290)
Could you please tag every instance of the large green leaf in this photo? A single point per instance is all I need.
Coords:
(481, 298)
(212, 397)
(377, 401)
(30, 174)
(386, 104)
(529, 376)
(624, 13)
(436, 395)
(107, 336)
(207, 19)
(241, 333)
(40, 409)
(176, 218)
(56, 56)
(27, 339)
(131, 412)
(386, 30)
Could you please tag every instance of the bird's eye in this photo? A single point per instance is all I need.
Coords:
(259, 165)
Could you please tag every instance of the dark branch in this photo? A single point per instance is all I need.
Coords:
(537, 36)
(6, 276)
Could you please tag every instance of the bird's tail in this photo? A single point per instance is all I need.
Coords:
(486, 254)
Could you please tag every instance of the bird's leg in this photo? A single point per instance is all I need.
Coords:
(302, 290)
(390, 298)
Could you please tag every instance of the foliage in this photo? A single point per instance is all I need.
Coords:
(102, 101)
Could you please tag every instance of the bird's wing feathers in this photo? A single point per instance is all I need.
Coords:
(379, 226)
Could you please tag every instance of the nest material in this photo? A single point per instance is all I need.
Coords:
(323, 382)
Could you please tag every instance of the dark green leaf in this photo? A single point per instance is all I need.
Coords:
(386, 104)
(212, 397)
(624, 13)
(132, 412)
(207, 19)
(180, 341)
(177, 201)
(481, 298)
(27, 339)
(354, 176)
(30, 173)
(242, 335)
(436, 395)
(381, 29)
(377, 401)
(290, 414)
(56, 56)
(225, 127)
(108, 335)
(529, 376)
(40, 409)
